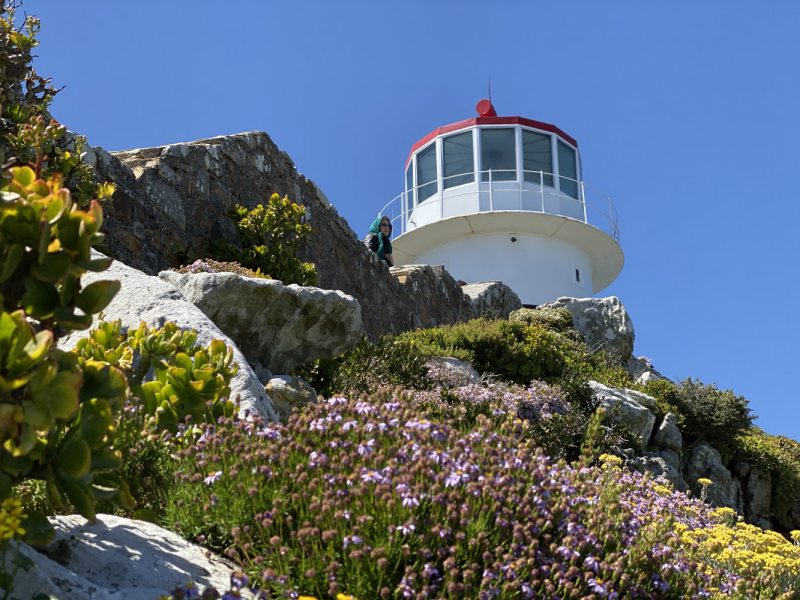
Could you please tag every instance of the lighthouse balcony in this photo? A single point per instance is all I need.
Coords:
(493, 191)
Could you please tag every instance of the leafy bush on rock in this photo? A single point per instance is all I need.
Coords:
(270, 236)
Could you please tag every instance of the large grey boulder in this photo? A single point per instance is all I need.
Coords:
(116, 559)
(603, 322)
(706, 462)
(494, 296)
(155, 301)
(668, 435)
(659, 465)
(288, 392)
(282, 326)
(627, 404)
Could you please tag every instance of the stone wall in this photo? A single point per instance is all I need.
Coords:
(171, 202)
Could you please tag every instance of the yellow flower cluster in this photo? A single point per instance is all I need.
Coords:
(11, 517)
(747, 550)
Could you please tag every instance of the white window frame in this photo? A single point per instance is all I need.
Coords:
(475, 148)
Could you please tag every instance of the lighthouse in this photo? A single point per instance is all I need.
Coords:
(503, 198)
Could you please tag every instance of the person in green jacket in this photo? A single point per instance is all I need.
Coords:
(378, 239)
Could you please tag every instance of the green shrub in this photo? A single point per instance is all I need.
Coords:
(390, 361)
(56, 415)
(557, 319)
(779, 456)
(511, 350)
(715, 416)
(270, 236)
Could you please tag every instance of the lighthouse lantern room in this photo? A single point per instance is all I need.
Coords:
(503, 198)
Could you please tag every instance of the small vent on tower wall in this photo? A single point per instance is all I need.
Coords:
(513, 240)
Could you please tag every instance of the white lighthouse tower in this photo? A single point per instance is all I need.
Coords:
(503, 198)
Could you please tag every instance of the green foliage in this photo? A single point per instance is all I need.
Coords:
(56, 415)
(391, 361)
(716, 416)
(270, 237)
(778, 455)
(557, 319)
(191, 382)
(19, 83)
(511, 350)
(665, 392)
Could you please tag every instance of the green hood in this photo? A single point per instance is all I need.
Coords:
(385, 246)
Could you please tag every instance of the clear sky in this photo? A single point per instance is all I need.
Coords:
(686, 114)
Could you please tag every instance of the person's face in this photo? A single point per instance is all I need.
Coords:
(385, 227)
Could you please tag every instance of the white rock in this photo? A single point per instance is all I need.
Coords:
(603, 322)
(631, 412)
(289, 392)
(282, 326)
(463, 373)
(154, 301)
(116, 559)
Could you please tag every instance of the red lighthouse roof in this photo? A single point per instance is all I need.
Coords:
(489, 117)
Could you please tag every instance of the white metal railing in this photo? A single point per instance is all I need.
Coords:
(487, 191)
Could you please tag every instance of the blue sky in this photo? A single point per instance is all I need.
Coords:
(685, 112)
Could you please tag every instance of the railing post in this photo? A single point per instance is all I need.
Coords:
(519, 187)
(491, 200)
(583, 197)
(541, 187)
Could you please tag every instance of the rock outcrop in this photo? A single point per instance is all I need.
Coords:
(642, 371)
(172, 201)
(116, 559)
(154, 301)
(287, 393)
(706, 462)
(281, 326)
(492, 297)
(659, 465)
(628, 409)
(668, 435)
(603, 322)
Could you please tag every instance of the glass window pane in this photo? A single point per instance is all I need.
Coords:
(537, 156)
(410, 183)
(567, 168)
(426, 173)
(457, 159)
(498, 154)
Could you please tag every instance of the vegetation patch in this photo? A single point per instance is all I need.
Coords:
(270, 237)
(370, 497)
(209, 265)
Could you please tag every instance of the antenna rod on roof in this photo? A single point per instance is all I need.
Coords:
(490, 88)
